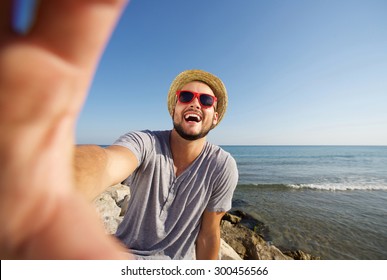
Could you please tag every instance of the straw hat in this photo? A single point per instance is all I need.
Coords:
(211, 80)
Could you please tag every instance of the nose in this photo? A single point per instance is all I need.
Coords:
(195, 103)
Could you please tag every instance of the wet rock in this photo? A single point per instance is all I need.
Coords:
(248, 244)
(300, 255)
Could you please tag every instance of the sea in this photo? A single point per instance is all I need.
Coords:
(328, 201)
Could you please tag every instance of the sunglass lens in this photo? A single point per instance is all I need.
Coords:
(206, 100)
(186, 96)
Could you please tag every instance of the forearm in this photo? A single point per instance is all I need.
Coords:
(90, 163)
(207, 247)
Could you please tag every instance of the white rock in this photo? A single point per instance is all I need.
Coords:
(226, 252)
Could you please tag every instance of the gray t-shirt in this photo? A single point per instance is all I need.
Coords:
(164, 214)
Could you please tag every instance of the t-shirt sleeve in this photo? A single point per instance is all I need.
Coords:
(224, 187)
(139, 143)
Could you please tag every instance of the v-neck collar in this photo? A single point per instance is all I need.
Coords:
(172, 163)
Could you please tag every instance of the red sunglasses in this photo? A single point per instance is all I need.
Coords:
(186, 96)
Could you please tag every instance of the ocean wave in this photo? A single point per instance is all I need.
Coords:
(338, 187)
(317, 186)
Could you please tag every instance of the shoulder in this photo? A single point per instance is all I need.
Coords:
(140, 143)
(143, 136)
(223, 158)
(145, 143)
(218, 152)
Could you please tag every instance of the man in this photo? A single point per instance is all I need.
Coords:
(44, 77)
(181, 185)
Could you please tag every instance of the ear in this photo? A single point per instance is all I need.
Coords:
(173, 113)
(215, 119)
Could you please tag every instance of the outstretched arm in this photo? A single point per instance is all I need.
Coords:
(98, 168)
(44, 79)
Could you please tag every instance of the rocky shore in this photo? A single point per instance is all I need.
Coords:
(242, 236)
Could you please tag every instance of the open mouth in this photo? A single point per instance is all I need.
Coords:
(191, 117)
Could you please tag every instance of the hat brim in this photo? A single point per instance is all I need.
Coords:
(211, 80)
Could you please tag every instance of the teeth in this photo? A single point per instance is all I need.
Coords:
(193, 117)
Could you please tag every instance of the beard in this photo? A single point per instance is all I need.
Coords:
(190, 137)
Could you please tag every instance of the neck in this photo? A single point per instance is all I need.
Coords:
(184, 152)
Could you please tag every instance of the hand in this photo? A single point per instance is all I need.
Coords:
(44, 78)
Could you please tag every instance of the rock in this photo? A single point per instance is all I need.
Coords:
(109, 212)
(118, 192)
(248, 244)
(251, 239)
(300, 255)
(107, 207)
(251, 223)
(232, 218)
(227, 252)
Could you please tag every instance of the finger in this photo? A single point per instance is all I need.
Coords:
(76, 30)
(5, 17)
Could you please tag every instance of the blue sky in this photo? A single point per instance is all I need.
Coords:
(297, 72)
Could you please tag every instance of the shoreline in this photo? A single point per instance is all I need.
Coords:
(251, 240)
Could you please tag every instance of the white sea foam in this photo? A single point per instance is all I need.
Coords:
(338, 187)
